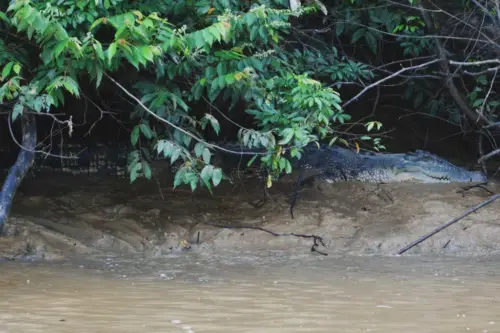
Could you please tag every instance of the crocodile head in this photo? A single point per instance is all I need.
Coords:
(428, 168)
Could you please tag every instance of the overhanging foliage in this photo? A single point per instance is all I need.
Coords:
(289, 69)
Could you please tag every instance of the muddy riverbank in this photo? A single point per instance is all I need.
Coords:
(56, 217)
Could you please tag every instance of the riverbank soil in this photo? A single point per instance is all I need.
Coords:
(58, 215)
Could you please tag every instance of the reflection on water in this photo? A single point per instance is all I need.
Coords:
(221, 294)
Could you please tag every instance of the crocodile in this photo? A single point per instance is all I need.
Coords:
(335, 163)
(330, 163)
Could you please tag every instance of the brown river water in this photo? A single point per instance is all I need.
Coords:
(248, 292)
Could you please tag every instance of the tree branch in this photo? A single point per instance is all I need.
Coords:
(388, 78)
(180, 129)
(455, 94)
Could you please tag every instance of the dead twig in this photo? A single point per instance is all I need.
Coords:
(316, 239)
(416, 67)
(489, 155)
(455, 220)
(480, 185)
(13, 137)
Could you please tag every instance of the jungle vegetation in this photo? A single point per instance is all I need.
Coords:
(296, 68)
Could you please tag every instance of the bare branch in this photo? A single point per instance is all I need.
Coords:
(485, 10)
(481, 111)
(388, 78)
(468, 25)
(453, 221)
(414, 36)
(497, 7)
(475, 63)
(489, 155)
(9, 122)
(455, 94)
(493, 69)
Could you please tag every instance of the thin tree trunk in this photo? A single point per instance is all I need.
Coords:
(452, 89)
(19, 170)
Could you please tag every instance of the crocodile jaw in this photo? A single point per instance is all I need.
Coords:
(414, 175)
(418, 175)
(422, 176)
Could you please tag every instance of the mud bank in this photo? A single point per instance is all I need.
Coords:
(56, 216)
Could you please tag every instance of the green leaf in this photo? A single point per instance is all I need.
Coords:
(339, 28)
(193, 183)
(482, 79)
(251, 160)
(146, 131)
(147, 53)
(216, 176)
(134, 136)
(287, 136)
(246, 137)
(176, 153)
(6, 70)
(111, 51)
(60, 47)
(4, 17)
(357, 35)
(198, 149)
(71, 85)
(98, 50)
(288, 167)
(263, 33)
(134, 171)
(250, 19)
(477, 102)
(98, 77)
(206, 155)
(253, 32)
(371, 41)
(167, 147)
(17, 110)
(206, 173)
(179, 176)
(146, 168)
(213, 122)
(17, 68)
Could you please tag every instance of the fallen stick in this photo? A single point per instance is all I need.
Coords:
(455, 220)
(317, 240)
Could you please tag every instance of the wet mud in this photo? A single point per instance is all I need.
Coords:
(58, 216)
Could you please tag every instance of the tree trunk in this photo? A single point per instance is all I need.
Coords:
(19, 170)
(452, 89)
